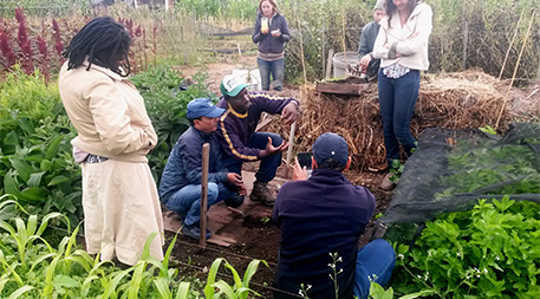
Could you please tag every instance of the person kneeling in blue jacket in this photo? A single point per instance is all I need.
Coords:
(180, 186)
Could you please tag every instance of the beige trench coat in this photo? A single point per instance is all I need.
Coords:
(120, 200)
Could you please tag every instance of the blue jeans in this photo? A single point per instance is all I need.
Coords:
(186, 202)
(374, 262)
(275, 68)
(397, 98)
(269, 165)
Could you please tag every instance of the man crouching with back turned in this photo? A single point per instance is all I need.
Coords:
(322, 215)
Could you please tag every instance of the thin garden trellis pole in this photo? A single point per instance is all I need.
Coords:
(511, 44)
(515, 70)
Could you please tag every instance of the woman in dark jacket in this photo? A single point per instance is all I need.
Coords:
(271, 33)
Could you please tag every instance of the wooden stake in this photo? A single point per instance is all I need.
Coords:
(515, 70)
(329, 64)
(511, 44)
(291, 143)
(204, 193)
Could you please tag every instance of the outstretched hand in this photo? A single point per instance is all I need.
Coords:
(271, 149)
(299, 173)
(289, 113)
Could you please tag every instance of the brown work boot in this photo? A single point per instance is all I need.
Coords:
(386, 183)
(261, 193)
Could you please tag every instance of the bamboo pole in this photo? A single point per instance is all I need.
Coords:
(511, 44)
(515, 70)
(293, 126)
(204, 193)
(538, 74)
(344, 33)
(465, 43)
(301, 44)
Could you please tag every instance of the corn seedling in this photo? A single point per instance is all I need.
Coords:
(240, 288)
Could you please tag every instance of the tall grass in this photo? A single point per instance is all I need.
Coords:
(32, 268)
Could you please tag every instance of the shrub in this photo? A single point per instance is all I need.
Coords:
(35, 154)
(166, 102)
(491, 251)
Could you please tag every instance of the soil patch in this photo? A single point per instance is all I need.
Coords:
(257, 238)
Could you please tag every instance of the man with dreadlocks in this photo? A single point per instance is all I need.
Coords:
(114, 135)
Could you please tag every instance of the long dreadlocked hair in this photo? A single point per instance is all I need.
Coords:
(103, 42)
(390, 8)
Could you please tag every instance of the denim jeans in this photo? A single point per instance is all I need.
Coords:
(186, 202)
(374, 262)
(397, 98)
(275, 68)
(269, 165)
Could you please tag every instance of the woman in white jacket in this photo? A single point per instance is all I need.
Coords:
(114, 135)
(402, 46)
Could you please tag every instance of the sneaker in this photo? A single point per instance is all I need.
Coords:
(261, 193)
(194, 231)
(386, 183)
(234, 201)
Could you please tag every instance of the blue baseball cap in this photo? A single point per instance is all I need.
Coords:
(232, 85)
(330, 146)
(203, 107)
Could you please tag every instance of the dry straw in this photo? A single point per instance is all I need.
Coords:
(455, 100)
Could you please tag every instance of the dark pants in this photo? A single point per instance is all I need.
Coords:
(269, 164)
(397, 98)
(275, 68)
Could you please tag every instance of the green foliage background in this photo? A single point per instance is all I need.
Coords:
(490, 251)
(36, 163)
(35, 155)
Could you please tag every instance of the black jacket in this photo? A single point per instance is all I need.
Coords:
(322, 215)
(268, 43)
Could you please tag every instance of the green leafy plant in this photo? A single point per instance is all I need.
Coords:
(32, 267)
(166, 96)
(239, 289)
(492, 250)
(35, 134)
(396, 170)
(376, 291)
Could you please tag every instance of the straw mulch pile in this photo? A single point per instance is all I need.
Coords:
(469, 99)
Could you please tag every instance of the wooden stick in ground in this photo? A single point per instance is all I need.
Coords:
(291, 143)
(515, 70)
(204, 193)
(511, 44)
(329, 64)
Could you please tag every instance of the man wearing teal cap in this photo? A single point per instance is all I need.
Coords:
(237, 134)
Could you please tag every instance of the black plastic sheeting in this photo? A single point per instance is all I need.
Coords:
(425, 188)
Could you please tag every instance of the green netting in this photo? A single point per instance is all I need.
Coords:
(452, 170)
